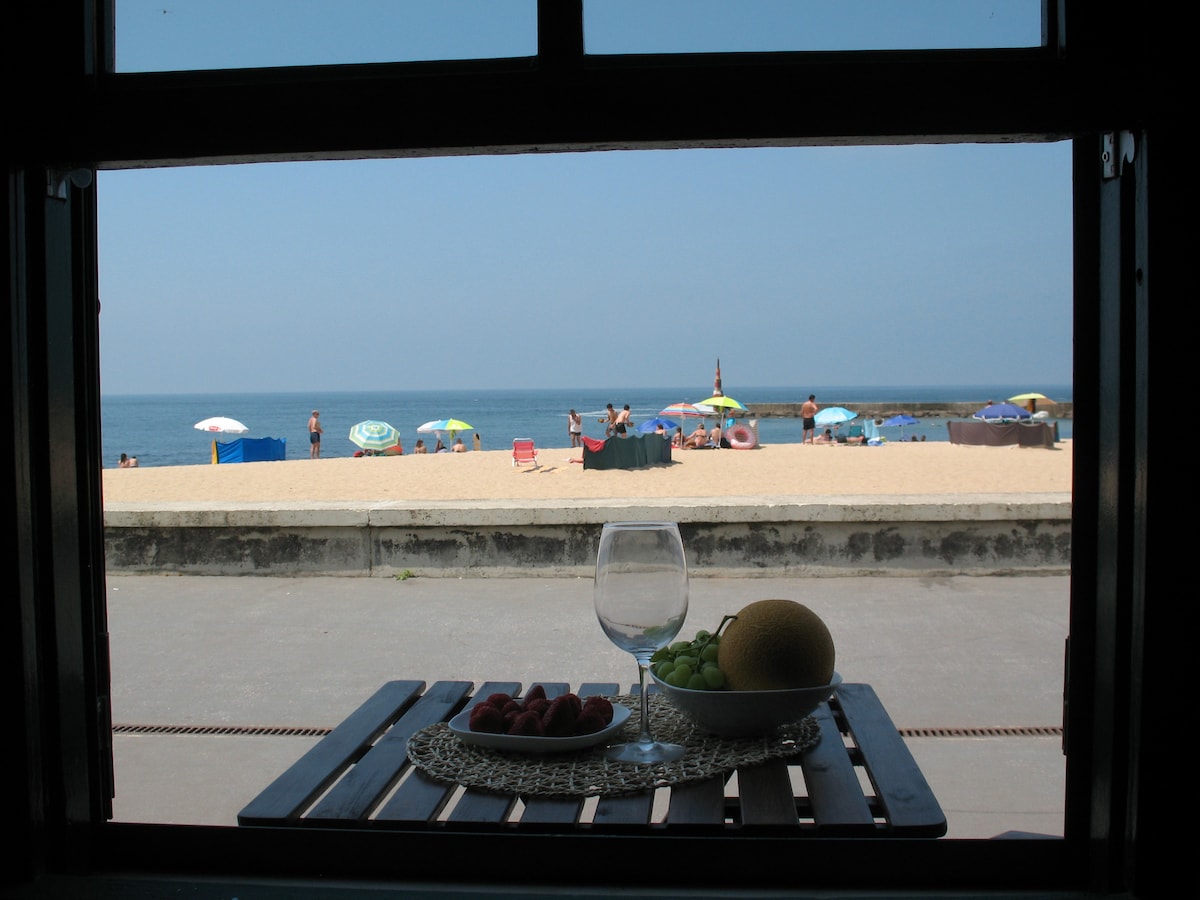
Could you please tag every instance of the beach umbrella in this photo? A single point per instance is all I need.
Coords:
(451, 425)
(1030, 401)
(652, 425)
(221, 425)
(722, 402)
(900, 420)
(834, 415)
(1002, 411)
(686, 411)
(373, 435)
(1025, 398)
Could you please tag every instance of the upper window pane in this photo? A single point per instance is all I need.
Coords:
(175, 35)
(733, 26)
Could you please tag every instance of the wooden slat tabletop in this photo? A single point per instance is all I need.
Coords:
(359, 776)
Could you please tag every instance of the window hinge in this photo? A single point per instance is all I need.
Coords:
(1116, 149)
(58, 179)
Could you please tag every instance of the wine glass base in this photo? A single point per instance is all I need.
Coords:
(647, 754)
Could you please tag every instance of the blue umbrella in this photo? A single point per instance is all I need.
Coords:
(652, 425)
(900, 420)
(1002, 411)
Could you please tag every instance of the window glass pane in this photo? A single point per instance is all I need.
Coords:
(715, 26)
(175, 35)
(479, 286)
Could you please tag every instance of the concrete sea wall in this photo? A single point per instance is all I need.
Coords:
(907, 536)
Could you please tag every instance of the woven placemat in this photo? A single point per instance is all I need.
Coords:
(437, 751)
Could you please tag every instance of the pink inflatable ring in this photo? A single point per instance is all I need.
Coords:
(742, 437)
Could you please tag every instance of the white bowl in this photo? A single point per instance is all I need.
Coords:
(747, 713)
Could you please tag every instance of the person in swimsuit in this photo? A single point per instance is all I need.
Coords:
(314, 435)
(808, 414)
(622, 424)
(610, 426)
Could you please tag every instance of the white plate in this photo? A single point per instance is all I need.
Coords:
(461, 726)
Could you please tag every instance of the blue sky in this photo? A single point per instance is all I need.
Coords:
(910, 265)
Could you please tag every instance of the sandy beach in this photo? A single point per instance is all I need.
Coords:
(781, 469)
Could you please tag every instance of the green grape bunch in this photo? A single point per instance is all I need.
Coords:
(692, 664)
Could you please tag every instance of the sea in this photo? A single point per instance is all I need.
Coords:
(159, 429)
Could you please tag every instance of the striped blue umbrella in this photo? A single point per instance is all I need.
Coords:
(373, 435)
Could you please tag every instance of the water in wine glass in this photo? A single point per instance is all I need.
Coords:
(638, 637)
(641, 599)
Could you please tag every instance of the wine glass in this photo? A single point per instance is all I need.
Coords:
(641, 599)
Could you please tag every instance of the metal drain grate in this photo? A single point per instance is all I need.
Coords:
(1025, 731)
(240, 730)
(260, 731)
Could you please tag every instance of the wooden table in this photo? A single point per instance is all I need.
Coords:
(859, 780)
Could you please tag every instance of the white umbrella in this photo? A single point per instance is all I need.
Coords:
(439, 425)
(221, 425)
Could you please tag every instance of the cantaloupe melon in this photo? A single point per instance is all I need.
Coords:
(776, 645)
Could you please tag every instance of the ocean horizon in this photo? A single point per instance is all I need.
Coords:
(159, 428)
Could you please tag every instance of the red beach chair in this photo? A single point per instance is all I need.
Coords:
(524, 452)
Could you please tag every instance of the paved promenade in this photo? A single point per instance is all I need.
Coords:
(970, 668)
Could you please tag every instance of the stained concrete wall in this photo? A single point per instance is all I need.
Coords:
(932, 536)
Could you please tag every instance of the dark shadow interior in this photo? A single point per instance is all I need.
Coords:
(1106, 78)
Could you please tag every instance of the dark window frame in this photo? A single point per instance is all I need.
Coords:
(72, 116)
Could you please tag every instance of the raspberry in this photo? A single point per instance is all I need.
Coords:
(559, 719)
(589, 722)
(600, 705)
(537, 692)
(527, 724)
(512, 706)
(485, 717)
(538, 706)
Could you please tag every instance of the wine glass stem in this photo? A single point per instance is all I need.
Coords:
(643, 668)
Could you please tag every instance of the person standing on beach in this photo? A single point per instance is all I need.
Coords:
(314, 435)
(611, 427)
(575, 428)
(478, 443)
(808, 416)
(621, 426)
